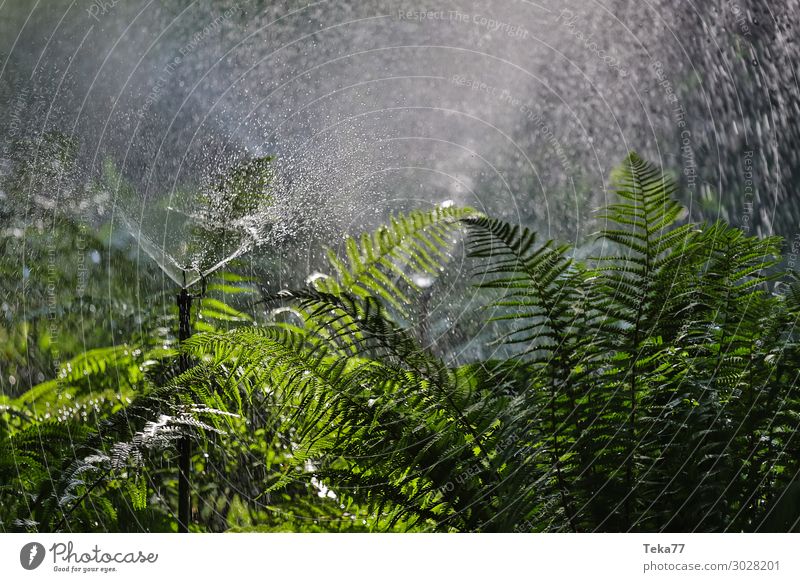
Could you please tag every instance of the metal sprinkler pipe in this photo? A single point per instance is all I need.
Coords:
(185, 445)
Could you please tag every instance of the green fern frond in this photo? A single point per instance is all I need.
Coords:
(384, 263)
(539, 286)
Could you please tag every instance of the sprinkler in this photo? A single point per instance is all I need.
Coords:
(185, 445)
(220, 224)
(184, 301)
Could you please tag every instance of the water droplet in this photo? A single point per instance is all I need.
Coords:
(422, 281)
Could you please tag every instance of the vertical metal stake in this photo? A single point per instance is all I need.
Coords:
(185, 445)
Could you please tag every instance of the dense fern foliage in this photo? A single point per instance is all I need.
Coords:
(651, 388)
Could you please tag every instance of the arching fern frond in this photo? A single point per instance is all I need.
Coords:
(383, 264)
(539, 286)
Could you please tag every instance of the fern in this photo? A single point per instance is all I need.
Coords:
(618, 410)
(382, 264)
(649, 389)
